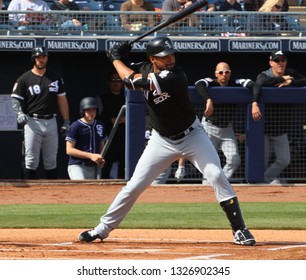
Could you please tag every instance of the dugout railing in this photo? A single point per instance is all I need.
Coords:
(108, 23)
(290, 110)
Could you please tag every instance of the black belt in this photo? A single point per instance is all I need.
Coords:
(217, 123)
(44, 117)
(181, 135)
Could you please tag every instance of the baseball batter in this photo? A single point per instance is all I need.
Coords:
(84, 142)
(176, 133)
(36, 97)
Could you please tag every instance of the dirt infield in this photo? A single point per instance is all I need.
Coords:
(145, 244)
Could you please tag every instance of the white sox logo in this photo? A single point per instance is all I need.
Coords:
(53, 87)
(40, 49)
(162, 97)
(163, 73)
(168, 44)
(99, 130)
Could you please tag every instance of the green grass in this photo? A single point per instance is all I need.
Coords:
(258, 215)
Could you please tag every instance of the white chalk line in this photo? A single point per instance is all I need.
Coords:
(163, 240)
(285, 247)
(154, 251)
(206, 257)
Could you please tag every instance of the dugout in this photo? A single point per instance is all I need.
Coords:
(293, 98)
(85, 74)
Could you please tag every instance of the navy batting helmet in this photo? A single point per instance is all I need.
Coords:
(160, 46)
(37, 51)
(88, 103)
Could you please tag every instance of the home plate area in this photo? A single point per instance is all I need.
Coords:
(154, 245)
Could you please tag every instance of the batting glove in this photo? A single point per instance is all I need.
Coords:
(114, 54)
(120, 51)
(180, 173)
(22, 119)
(65, 128)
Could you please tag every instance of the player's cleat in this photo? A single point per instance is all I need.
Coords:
(180, 173)
(244, 237)
(89, 236)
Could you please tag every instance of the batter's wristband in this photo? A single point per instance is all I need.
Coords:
(131, 77)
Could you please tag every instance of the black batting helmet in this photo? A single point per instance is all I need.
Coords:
(88, 103)
(39, 50)
(160, 46)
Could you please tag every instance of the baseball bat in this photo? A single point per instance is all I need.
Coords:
(174, 18)
(110, 138)
(112, 133)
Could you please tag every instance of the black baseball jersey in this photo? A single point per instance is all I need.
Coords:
(267, 79)
(226, 113)
(209, 82)
(39, 93)
(169, 106)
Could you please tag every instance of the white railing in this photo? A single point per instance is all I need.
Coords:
(99, 23)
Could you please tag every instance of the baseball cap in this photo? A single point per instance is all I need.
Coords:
(276, 54)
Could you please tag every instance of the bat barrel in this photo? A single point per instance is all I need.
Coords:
(174, 18)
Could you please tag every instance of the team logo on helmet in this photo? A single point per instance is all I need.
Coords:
(39, 49)
(160, 46)
(168, 44)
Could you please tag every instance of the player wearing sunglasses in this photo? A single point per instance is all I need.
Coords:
(219, 120)
(276, 138)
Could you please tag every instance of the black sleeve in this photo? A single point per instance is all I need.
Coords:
(256, 90)
(266, 81)
(299, 80)
(253, 86)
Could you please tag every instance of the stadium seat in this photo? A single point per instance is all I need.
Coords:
(90, 5)
(214, 24)
(113, 25)
(157, 3)
(294, 24)
(291, 26)
(113, 5)
(49, 2)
